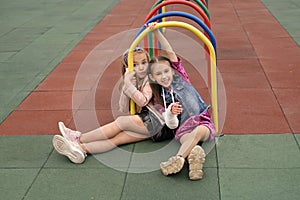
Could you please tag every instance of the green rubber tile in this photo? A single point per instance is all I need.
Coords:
(287, 13)
(12, 68)
(113, 159)
(14, 82)
(278, 5)
(15, 182)
(33, 83)
(148, 155)
(77, 184)
(297, 136)
(296, 2)
(20, 37)
(4, 113)
(37, 35)
(6, 55)
(249, 184)
(258, 151)
(17, 99)
(6, 96)
(24, 151)
(293, 28)
(154, 185)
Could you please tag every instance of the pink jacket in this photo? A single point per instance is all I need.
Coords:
(140, 96)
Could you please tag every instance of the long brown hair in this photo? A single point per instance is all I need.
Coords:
(156, 88)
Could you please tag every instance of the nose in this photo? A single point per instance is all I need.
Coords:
(141, 66)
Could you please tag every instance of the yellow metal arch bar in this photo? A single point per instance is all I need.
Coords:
(213, 70)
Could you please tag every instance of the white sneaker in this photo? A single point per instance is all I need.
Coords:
(172, 166)
(69, 134)
(70, 149)
(196, 160)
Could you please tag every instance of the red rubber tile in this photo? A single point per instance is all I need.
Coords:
(245, 80)
(253, 111)
(32, 122)
(289, 101)
(52, 100)
(240, 66)
(87, 120)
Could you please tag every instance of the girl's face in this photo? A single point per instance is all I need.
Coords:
(140, 64)
(162, 73)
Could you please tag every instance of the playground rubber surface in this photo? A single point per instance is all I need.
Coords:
(42, 47)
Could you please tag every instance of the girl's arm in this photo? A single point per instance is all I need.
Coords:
(171, 117)
(140, 97)
(166, 48)
(124, 102)
(168, 52)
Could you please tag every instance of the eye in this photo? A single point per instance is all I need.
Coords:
(158, 73)
(134, 64)
(167, 70)
(144, 62)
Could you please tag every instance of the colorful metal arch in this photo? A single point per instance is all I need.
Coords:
(202, 4)
(204, 16)
(186, 15)
(213, 68)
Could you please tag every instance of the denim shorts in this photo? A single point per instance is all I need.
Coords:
(158, 132)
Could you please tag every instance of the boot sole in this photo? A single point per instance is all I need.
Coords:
(196, 160)
(172, 166)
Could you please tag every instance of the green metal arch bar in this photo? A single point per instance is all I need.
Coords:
(213, 67)
(204, 8)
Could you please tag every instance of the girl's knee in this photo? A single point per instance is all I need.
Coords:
(202, 133)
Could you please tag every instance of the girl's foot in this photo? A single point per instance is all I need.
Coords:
(196, 160)
(172, 166)
(69, 134)
(70, 149)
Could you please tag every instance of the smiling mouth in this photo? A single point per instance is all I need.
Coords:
(165, 82)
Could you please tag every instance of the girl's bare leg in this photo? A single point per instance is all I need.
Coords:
(194, 153)
(190, 140)
(131, 123)
(109, 144)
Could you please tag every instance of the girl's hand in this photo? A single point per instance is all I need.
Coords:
(129, 77)
(176, 108)
(151, 25)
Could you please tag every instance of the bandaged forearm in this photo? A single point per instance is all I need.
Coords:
(170, 119)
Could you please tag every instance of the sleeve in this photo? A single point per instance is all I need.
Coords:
(124, 102)
(141, 98)
(180, 70)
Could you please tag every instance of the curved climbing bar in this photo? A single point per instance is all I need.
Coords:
(202, 4)
(186, 15)
(155, 9)
(213, 68)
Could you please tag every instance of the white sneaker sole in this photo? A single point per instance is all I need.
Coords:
(172, 166)
(63, 147)
(196, 160)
